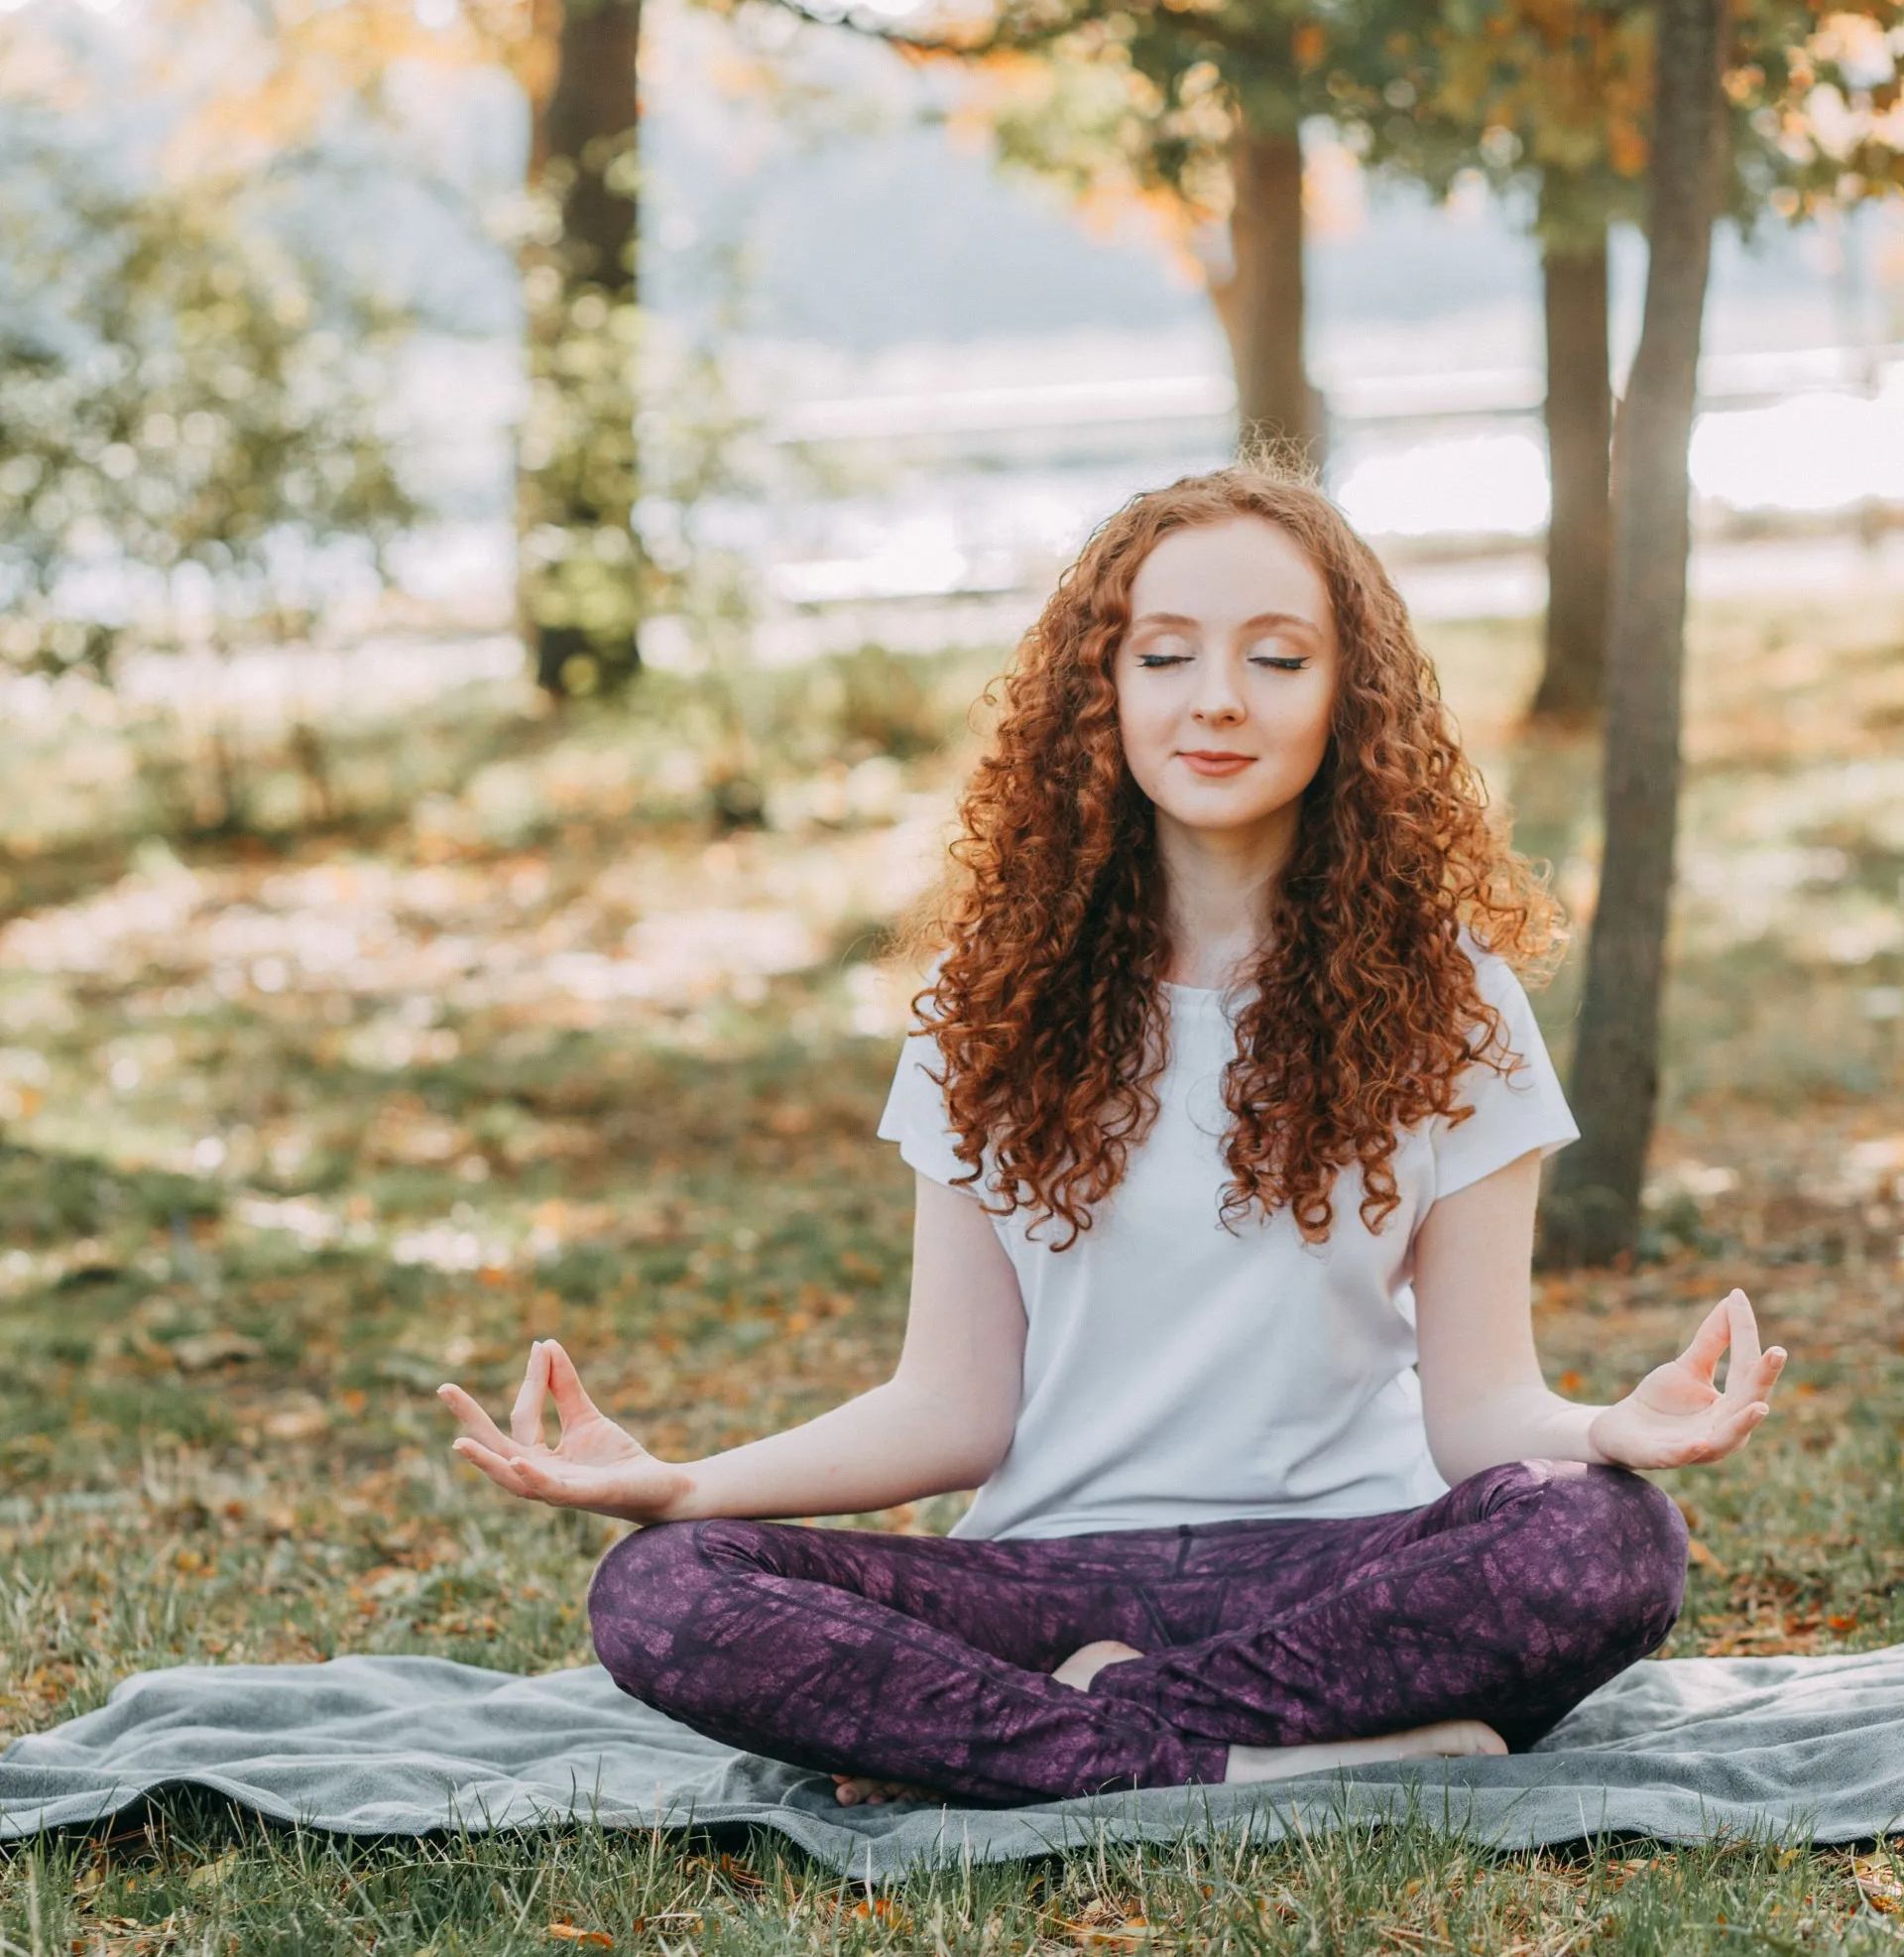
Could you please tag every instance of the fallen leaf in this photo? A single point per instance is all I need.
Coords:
(567, 1933)
(302, 1420)
(204, 1350)
(209, 1873)
(1878, 1882)
(1698, 1552)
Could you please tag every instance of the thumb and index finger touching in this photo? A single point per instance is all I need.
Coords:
(1731, 1322)
(551, 1374)
(550, 1370)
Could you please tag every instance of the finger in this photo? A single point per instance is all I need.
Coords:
(571, 1401)
(478, 1423)
(1734, 1429)
(526, 1416)
(1771, 1363)
(1742, 1369)
(1702, 1351)
(504, 1470)
(541, 1478)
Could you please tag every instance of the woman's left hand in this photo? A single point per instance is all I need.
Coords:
(1676, 1415)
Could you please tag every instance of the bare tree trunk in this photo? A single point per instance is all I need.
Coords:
(1261, 303)
(588, 125)
(1594, 1211)
(575, 483)
(1580, 414)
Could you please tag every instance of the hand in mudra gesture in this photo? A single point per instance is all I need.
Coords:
(595, 1465)
(1676, 1415)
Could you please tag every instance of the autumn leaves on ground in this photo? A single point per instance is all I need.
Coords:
(298, 1122)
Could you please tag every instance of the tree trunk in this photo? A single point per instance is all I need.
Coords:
(590, 121)
(1594, 1212)
(576, 479)
(1580, 416)
(1260, 304)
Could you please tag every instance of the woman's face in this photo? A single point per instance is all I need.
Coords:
(1230, 649)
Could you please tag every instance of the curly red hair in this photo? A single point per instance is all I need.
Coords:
(1050, 910)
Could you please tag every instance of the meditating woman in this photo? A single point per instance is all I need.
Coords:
(1234, 1339)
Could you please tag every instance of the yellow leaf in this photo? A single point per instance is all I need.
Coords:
(1878, 1880)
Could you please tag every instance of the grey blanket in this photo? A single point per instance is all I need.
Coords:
(1789, 1749)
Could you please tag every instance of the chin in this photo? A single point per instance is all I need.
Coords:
(1218, 812)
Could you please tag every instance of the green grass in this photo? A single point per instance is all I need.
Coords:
(295, 1122)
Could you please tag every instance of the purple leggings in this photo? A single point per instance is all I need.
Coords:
(928, 1659)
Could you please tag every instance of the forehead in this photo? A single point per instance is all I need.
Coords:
(1230, 570)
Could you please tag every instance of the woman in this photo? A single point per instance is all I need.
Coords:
(1266, 1484)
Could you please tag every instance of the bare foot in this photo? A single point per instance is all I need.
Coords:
(1447, 1739)
(1088, 1660)
(851, 1788)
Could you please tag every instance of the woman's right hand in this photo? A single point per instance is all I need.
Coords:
(596, 1465)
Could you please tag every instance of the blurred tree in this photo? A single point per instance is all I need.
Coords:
(1592, 1212)
(1194, 114)
(583, 580)
(1195, 111)
(1551, 97)
(187, 412)
(329, 94)
(582, 583)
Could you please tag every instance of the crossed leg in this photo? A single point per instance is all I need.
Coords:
(930, 1662)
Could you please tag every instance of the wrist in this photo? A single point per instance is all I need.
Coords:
(1591, 1448)
(683, 1504)
(1569, 1435)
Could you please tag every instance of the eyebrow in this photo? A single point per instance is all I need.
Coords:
(1261, 618)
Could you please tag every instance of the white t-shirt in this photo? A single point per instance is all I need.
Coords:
(1177, 1372)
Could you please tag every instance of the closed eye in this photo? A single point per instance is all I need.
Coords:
(1151, 660)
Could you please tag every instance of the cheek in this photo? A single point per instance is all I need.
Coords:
(1298, 725)
(1143, 724)
(1308, 725)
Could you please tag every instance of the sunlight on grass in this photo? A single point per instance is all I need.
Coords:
(301, 1118)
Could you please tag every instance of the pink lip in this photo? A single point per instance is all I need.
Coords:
(1218, 764)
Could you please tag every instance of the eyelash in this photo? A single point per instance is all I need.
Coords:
(1150, 662)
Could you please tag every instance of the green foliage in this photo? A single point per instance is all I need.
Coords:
(583, 584)
(183, 402)
(628, 435)
(1551, 93)
(887, 703)
(57, 1198)
(1559, 94)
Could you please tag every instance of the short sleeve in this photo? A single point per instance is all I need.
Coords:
(1513, 1112)
(914, 1115)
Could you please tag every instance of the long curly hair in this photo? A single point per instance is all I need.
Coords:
(1050, 908)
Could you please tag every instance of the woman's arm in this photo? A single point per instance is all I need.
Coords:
(944, 1419)
(1483, 1397)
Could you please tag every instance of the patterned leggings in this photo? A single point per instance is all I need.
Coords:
(928, 1659)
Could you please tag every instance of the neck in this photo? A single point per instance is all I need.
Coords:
(1221, 887)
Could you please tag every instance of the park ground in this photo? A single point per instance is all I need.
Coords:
(474, 1030)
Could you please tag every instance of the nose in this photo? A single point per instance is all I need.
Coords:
(1217, 698)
